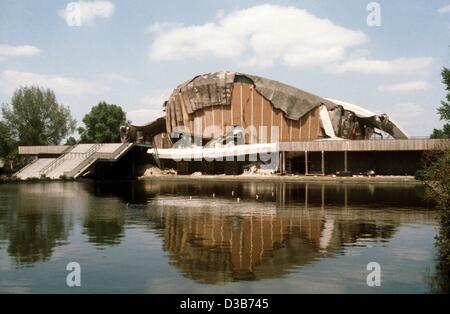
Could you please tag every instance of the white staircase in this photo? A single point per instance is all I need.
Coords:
(33, 169)
(69, 161)
(73, 162)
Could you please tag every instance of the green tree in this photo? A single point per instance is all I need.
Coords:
(102, 124)
(444, 109)
(5, 140)
(35, 117)
(437, 174)
(71, 141)
(8, 149)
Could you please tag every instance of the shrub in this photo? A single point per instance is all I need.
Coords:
(420, 175)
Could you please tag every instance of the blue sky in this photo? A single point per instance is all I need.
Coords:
(133, 53)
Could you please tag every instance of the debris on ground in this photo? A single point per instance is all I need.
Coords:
(155, 171)
(257, 169)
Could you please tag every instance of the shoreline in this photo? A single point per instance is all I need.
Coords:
(272, 178)
(241, 178)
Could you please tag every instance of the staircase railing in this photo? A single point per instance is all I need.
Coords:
(54, 164)
(26, 167)
(86, 163)
(93, 149)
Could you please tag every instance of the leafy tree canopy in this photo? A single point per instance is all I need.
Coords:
(102, 124)
(5, 140)
(71, 141)
(35, 117)
(444, 109)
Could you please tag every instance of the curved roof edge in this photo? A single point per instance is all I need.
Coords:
(293, 101)
(397, 131)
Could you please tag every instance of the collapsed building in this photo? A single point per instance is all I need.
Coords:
(220, 122)
(225, 99)
(233, 123)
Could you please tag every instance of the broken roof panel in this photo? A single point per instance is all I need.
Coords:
(215, 89)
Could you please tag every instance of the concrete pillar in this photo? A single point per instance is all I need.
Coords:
(306, 162)
(133, 163)
(345, 162)
(323, 163)
(282, 162)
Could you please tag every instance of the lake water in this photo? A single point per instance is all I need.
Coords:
(198, 237)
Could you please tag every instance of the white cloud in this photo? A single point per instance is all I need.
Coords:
(401, 66)
(10, 80)
(444, 9)
(160, 27)
(260, 36)
(85, 12)
(407, 115)
(152, 108)
(18, 51)
(406, 87)
(157, 99)
(265, 34)
(119, 78)
(144, 116)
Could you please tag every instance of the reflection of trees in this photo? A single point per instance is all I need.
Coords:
(439, 281)
(33, 236)
(34, 227)
(104, 217)
(103, 223)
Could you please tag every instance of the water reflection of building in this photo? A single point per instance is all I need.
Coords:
(374, 195)
(210, 239)
(275, 227)
(219, 243)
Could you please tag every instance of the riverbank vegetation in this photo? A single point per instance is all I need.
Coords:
(102, 124)
(35, 117)
(437, 176)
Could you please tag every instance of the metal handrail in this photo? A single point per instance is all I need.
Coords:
(93, 149)
(27, 166)
(61, 159)
(57, 161)
(95, 156)
(52, 165)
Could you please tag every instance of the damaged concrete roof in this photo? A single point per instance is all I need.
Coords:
(215, 89)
